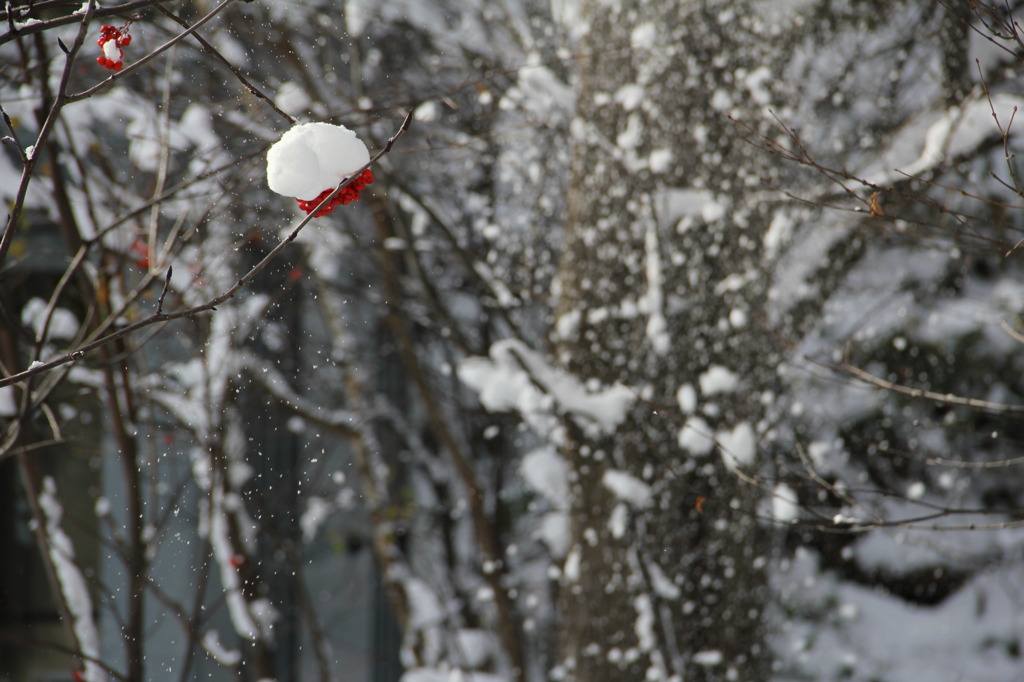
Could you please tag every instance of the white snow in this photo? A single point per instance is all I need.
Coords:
(357, 16)
(217, 651)
(739, 445)
(111, 50)
(755, 83)
(312, 157)
(661, 584)
(571, 570)
(555, 531)
(8, 404)
(72, 582)
(777, 235)
(546, 472)
(518, 378)
(197, 126)
(718, 379)
(686, 396)
(931, 139)
(627, 487)
(292, 98)
(660, 160)
(785, 507)
(428, 112)
(629, 96)
(708, 657)
(654, 300)
(568, 324)
(916, 490)
(424, 605)
(632, 135)
(63, 325)
(696, 437)
(738, 318)
(721, 101)
(645, 622)
(473, 647)
(617, 521)
(436, 675)
(317, 511)
(643, 36)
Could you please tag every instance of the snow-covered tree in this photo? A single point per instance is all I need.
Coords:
(664, 336)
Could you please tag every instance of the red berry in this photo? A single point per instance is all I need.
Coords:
(140, 249)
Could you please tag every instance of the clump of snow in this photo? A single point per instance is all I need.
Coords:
(357, 16)
(660, 160)
(292, 99)
(547, 473)
(645, 622)
(428, 112)
(696, 437)
(686, 396)
(571, 570)
(708, 657)
(102, 506)
(474, 647)
(737, 318)
(555, 532)
(72, 582)
(756, 81)
(62, 323)
(317, 511)
(739, 445)
(617, 521)
(916, 490)
(785, 506)
(8, 404)
(312, 157)
(643, 36)
(424, 605)
(662, 585)
(568, 324)
(627, 487)
(629, 96)
(778, 233)
(518, 378)
(718, 379)
(224, 656)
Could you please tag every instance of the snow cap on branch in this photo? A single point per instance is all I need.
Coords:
(312, 157)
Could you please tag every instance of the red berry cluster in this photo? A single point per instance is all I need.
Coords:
(121, 39)
(345, 196)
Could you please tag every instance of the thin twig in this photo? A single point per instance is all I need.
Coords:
(163, 294)
(159, 316)
(250, 88)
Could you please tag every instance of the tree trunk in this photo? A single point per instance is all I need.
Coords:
(648, 272)
(664, 285)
